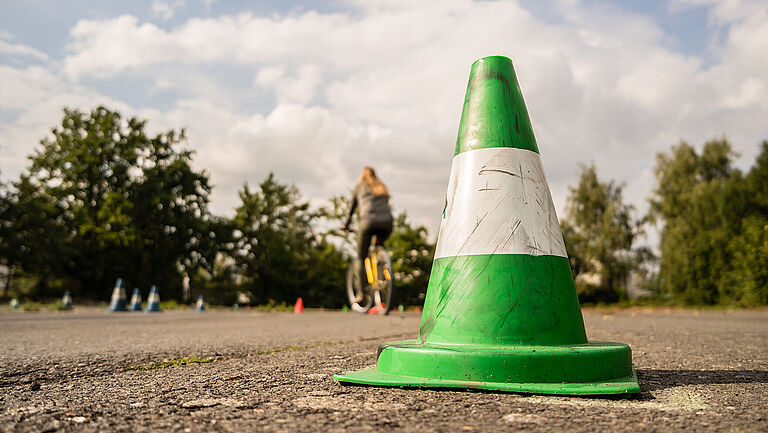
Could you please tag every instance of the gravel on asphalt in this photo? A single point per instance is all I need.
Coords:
(89, 370)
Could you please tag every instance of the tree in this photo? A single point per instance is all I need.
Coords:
(130, 203)
(170, 213)
(599, 234)
(701, 200)
(277, 252)
(757, 182)
(746, 280)
(33, 239)
(8, 249)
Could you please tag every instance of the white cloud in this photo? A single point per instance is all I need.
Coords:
(13, 50)
(34, 97)
(165, 10)
(207, 4)
(383, 85)
(299, 88)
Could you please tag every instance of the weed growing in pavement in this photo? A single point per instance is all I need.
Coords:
(291, 348)
(171, 363)
(282, 349)
(171, 305)
(274, 306)
(58, 305)
(31, 306)
(197, 360)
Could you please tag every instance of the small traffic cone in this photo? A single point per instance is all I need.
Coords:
(135, 301)
(66, 301)
(200, 304)
(14, 304)
(344, 309)
(299, 307)
(153, 301)
(118, 301)
(501, 311)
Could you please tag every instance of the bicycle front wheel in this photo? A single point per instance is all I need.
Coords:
(382, 296)
(359, 299)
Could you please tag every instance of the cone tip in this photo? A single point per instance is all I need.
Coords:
(494, 112)
(496, 58)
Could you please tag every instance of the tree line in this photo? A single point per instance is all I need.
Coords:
(101, 199)
(712, 220)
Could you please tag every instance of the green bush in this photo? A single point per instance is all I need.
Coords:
(31, 307)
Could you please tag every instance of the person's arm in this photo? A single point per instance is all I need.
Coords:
(352, 208)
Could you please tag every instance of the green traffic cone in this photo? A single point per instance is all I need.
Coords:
(501, 311)
(200, 304)
(117, 303)
(153, 301)
(66, 301)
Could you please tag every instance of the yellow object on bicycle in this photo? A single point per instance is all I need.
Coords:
(368, 270)
(374, 274)
(374, 297)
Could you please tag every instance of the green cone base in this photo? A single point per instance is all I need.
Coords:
(584, 369)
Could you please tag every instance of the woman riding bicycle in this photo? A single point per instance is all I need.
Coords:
(375, 216)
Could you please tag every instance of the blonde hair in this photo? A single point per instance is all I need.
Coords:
(369, 179)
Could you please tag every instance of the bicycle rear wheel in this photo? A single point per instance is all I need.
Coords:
(382, 296)
(359, 299)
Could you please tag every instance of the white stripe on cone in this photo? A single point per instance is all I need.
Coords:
(499, 202)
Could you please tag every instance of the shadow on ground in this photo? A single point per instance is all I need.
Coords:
(653, 380)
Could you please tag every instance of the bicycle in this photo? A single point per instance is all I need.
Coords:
(377, 293)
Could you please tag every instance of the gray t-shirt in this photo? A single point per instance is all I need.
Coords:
(374, 209)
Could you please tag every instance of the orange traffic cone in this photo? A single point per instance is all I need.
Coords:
(299, 307)
(375, 309)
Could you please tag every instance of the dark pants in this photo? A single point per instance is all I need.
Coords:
(382, 231)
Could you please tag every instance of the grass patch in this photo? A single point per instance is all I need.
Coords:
(31, 306)
(171, 363)
(274, 306)
(291, 348)
(171, 305)
(58, 305)
(283, 349)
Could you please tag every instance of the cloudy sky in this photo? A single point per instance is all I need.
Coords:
(313, 91)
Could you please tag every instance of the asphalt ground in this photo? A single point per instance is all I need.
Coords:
(89, 370)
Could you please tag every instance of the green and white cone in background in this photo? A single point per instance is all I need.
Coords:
(153, 301)
(135, 300)
(118, 300)
(66, 301)
(501, 311)
(200, 304)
